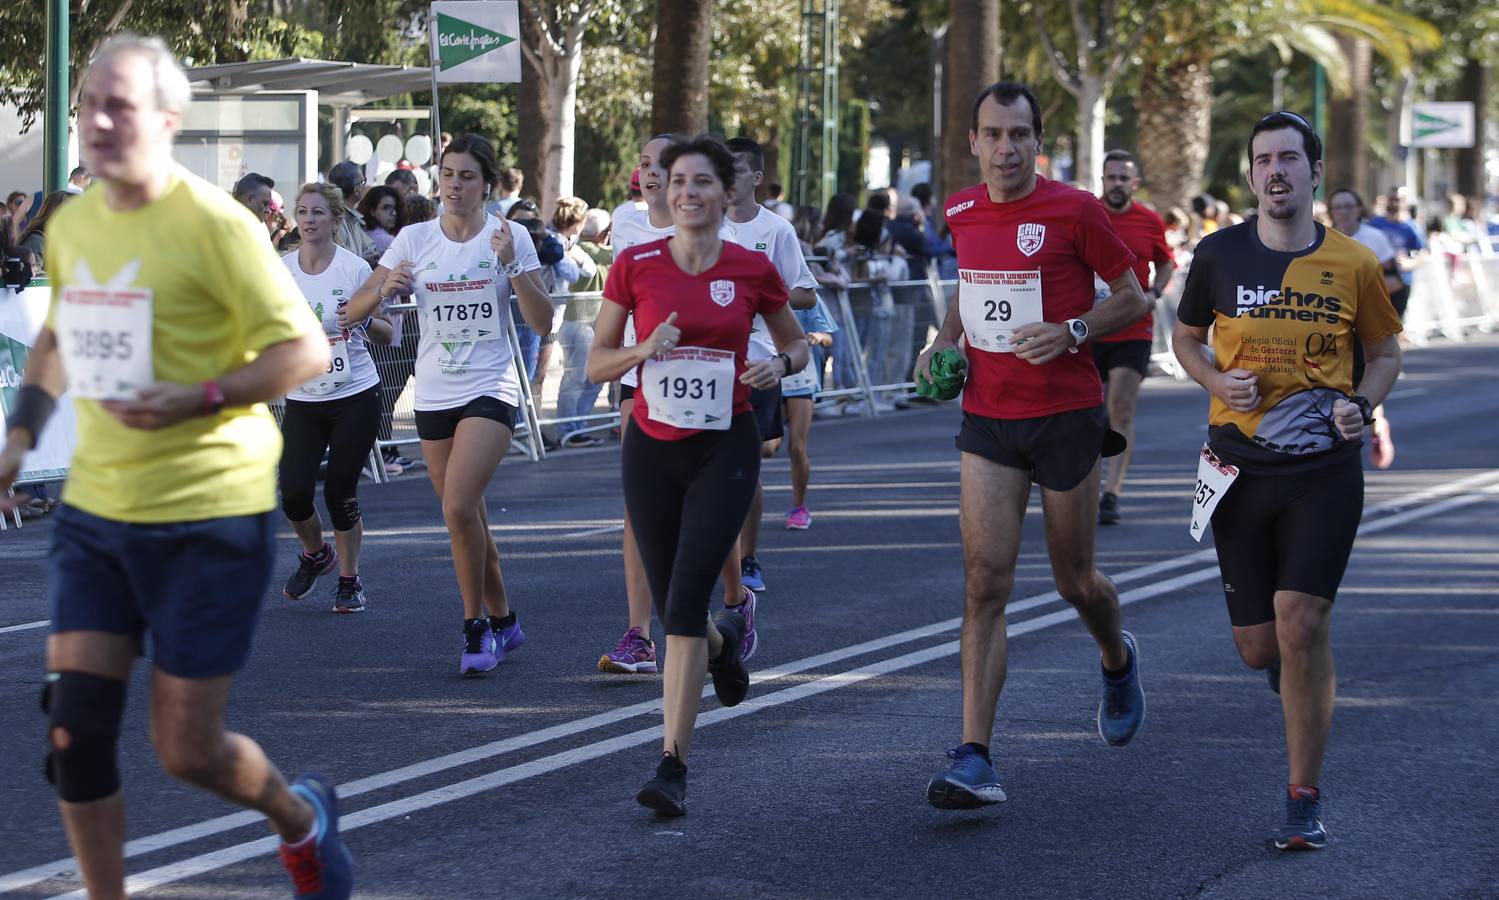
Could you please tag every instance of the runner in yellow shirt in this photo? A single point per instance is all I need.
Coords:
(172, 322)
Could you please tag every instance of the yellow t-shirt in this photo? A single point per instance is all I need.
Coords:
(220, 296)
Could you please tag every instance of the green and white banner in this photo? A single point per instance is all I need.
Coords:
(475, 41)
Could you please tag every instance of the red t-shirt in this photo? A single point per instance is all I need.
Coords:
(715, 309)
(1144, 234)
(1056, 235)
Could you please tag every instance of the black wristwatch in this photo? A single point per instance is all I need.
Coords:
(785, 359)
(1364, 406)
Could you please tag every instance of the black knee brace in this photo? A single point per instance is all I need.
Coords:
(83, 715)
(343, 511)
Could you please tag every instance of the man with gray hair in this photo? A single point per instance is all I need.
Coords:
(349, 177)
(172, 323)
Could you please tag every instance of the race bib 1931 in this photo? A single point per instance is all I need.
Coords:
(464, 311)
(104, 335)
(1213, 479)
(994, 304)
(690, 387)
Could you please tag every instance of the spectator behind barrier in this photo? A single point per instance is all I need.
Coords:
(405, 183)
(33, 239)
(420, 209)
(383, 214)
(15, 206)
(349, 177)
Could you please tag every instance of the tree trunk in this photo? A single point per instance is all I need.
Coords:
(1474, 86)
(1347, 151)
(972, 64)
(1087, 168)
(679, 83)
(1174, 110)
(533, 127)
(557, 171)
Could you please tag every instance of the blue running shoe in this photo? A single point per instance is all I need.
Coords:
(1122, 709)
(506, 637)
(970, 783)
(321, 868)
(751, 575)
(478, 648)
(1303, 829)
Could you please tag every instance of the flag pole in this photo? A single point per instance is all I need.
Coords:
(436, 117)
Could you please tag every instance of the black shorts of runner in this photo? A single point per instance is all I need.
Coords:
(626, 392)
(768, 414)
(441, 424)
(1401, 299)
(195, 586)
(1287, 533)
(1121, 355)
(1057, 450)
(687, 501)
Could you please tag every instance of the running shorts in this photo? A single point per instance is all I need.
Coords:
(1290, 532)
(1057, 450)
(195, 586)
(441, 424)
(768, 413)
(1122, 355)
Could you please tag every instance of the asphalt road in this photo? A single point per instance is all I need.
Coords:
(520, 784)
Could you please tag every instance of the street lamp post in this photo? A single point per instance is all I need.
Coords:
(55, 122)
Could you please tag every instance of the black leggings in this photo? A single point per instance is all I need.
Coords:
(688, 500)
(346, 429)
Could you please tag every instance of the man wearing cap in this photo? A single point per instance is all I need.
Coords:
(1033, 412)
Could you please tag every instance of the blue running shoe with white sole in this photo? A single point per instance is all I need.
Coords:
(507, 638)
(1303, 829)
(479, 647)
(751, 575)
(970, 783)
(321, 868)
(1122, 709)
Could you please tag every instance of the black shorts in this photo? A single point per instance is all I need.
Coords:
(1121, 355)
(1287, 533)
(1057, 450)
(1400, 300)
(626, 392)
(195, 586)
(768, 414)
(441, 424)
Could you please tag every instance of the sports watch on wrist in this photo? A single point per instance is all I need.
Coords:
(1078, 329)
(785, 359)
(511, 269)
(1364, 407)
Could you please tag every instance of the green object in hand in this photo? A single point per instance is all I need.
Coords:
(948, 371)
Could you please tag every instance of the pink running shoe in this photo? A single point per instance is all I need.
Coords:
(633, 655)
(798, 519)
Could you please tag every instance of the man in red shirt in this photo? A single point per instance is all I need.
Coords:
(1123, 357)
(1032, 412)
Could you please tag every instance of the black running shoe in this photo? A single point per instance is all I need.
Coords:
(667, 792)
(309, 569)
(1108, 509)
(348, 597)
(730, 678)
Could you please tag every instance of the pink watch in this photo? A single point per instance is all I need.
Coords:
(213, 398)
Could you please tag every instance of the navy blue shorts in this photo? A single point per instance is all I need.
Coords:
(195, 586)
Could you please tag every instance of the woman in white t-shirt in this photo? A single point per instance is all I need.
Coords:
(462, 268)
(337, 412)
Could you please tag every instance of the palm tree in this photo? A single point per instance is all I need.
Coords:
(1175, 96)
(684, 35)
(972, 63)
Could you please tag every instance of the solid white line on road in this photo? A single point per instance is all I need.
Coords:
(26, 627)
(469, 787)
(594, 531)
(1408, 392)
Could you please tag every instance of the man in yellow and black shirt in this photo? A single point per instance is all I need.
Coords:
(1288, 301)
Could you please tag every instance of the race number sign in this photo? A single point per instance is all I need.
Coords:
(690, 387)
(337, 374)
(104, 335)
(1213, 479)
(994, 304)
(464, 311)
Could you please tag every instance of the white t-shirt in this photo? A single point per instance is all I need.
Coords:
(1375, 240)
(326, 292)
(449, 374)
(772, 235)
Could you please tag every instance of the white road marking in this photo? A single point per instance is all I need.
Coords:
(26, 627)
(404, 806)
